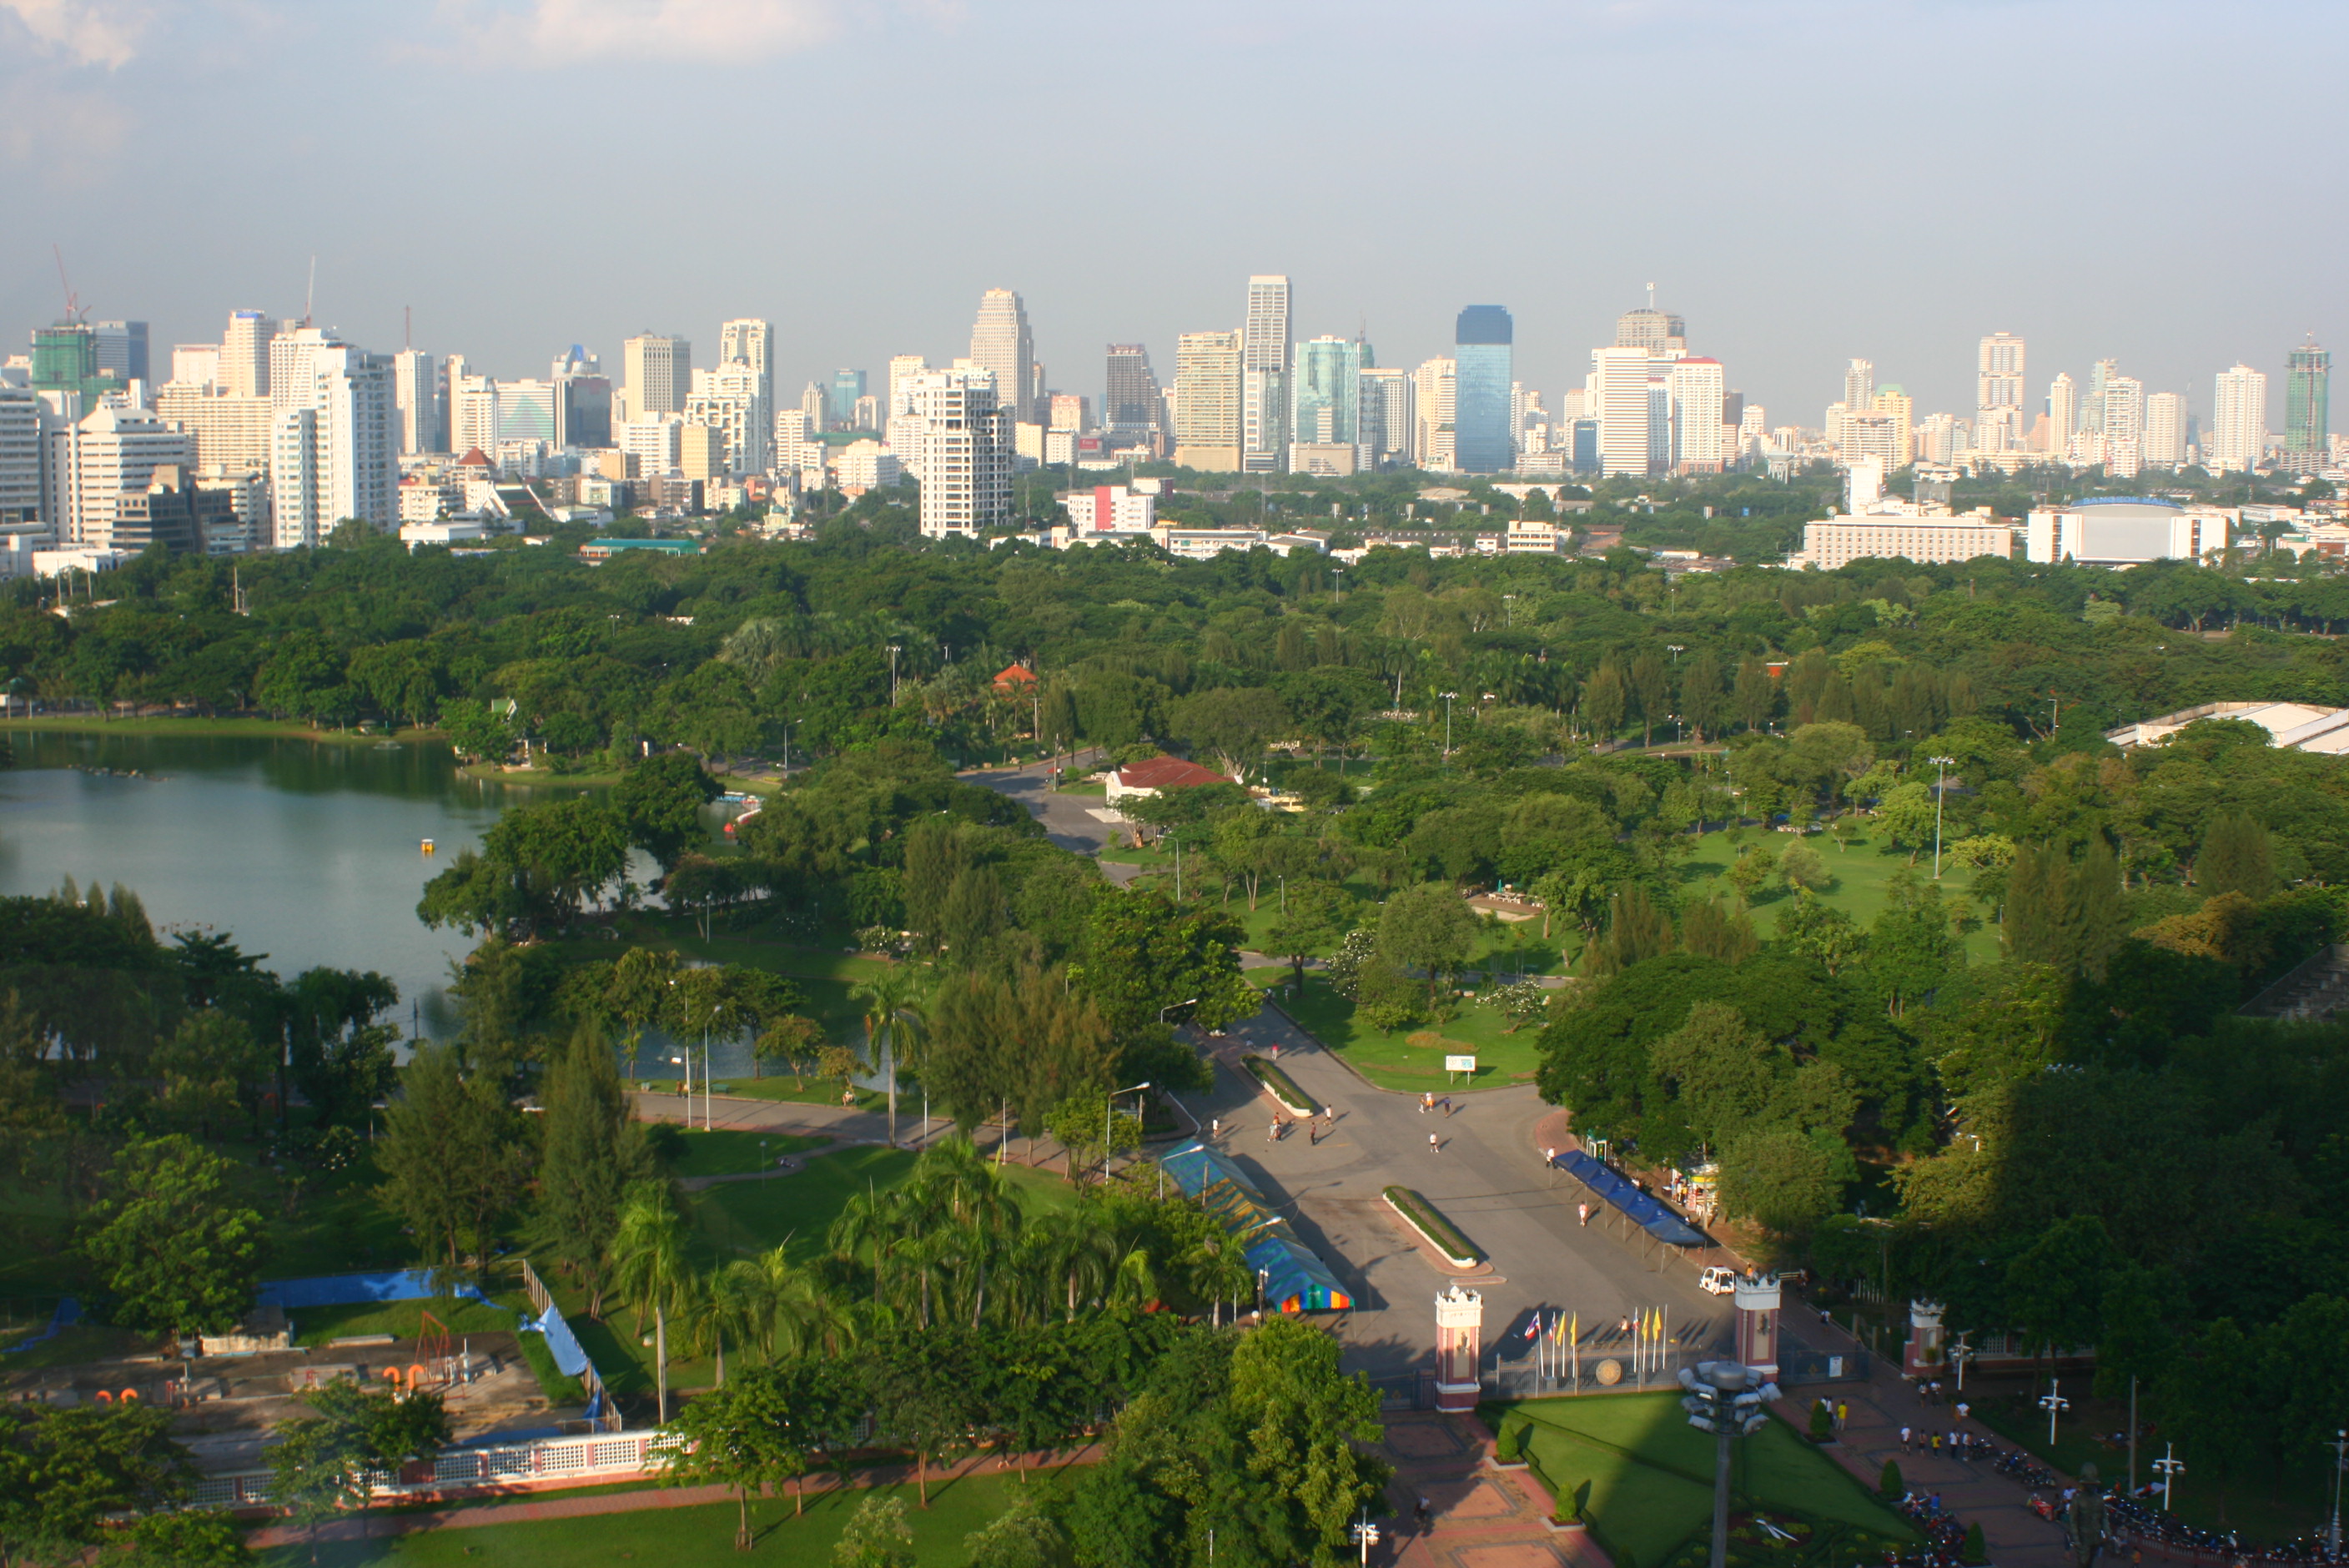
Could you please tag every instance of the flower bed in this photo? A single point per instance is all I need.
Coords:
(1440, 1232)
(1281, 1086)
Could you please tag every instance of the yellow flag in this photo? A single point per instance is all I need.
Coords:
(1574, 1329)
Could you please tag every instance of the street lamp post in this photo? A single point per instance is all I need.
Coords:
(2054, 1404)
(1725, 1399)
(1960, 1354)
(2339, 1463)
(895, 649)
(1366, 1534)
(1941, 782)
(1109, 1109)
(1447, 697)
(2171, 1468)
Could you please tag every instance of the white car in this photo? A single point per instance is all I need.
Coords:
(1717, 1281)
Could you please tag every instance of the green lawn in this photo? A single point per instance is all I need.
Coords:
(1389, 1060)
(725, 1151)
(1649, 1473)
(688, 1537)
(802, 1091)
(314, 1325)
(1862, 870)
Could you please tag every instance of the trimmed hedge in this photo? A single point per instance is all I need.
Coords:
(1429, 1221)
(1295, 1101)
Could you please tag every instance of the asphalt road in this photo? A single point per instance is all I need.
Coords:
(1068, 818)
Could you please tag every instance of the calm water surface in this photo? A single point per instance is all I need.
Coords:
(307, 850)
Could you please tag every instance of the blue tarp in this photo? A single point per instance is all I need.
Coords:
(569, 1359)
(67, 1314)
(354, 1289)
(1294, 1279)
(1644, 1212)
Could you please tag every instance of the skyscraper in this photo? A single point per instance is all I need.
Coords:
(122, 349)
(1619, 378)
(1001, 342)
(1207, 401)
(2124, 409)
(2165, 431)
(1325, 406)
(20, 454)
(110, 453)
(1999, 367)
(2239, 419)
(2307, 396)
(1658, 332)
(415, 393)
(732, 400)
(1264, 374)
(1382, 417)
(847, 386)
(1131, 407)
(1434, 401)
(657, 375)
(335, 441)
(963, 440)
(244, 354)
(2062, 411)
(750, 341)
(1484, 442)
(2092, 407)
(1859, 386)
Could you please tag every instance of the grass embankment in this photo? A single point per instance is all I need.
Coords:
(698, 1537)
(1409, 1059)
(1649, 1477)
(1284, 1088)
(726, 1152)
(1863, 867)
(1429, 1221)
(263, 729)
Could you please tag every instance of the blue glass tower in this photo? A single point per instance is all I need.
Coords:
(1483, 443)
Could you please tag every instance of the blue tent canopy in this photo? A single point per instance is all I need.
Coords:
(1643, 1211)
(1294, 1279)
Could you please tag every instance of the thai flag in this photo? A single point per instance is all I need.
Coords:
(1534, 1324)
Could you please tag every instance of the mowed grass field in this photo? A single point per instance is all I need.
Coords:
(1388, 1058)
(701, 1536)
(1863, 868)
(1649, 1473)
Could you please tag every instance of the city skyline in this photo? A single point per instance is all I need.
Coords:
(103, 88)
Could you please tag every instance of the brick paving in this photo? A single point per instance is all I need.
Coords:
(1482, 1517)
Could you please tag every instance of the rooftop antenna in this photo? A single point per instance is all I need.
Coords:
(311, 297)
(407, 327)
(74, 309)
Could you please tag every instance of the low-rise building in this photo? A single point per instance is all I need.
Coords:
(2128, 530)
(1156, 774)
(1912, 534)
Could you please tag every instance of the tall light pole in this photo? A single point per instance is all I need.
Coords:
(1366, 1534)
(893, 650)
(1447, 697)
(2054, 1404)
(1109, 1109)
(1941, 782)
(1725, 1399)
(1336, 584)
(2339, 1463)
(2171, 1468)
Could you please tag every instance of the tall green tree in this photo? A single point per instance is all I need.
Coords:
(650, 1269)
(660, 800)
(2237, 856)
(591, 1150)
(173, 1245)
(321, 1464)
(1428, 928)
(63, 1472)
(452, 1157)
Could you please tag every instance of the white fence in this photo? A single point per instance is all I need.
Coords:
(542, 1462)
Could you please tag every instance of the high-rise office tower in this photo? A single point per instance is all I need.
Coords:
(2123, 400)
(244, 354)
(2062, 411)
(1859, 386)
(122, 349)
(1264, 374)
(1070, 411)
(336, 451)
(903, 368)
(1436, 410)
(1382, 414)
(294, 358)
(657, 375)
(64, 360)
(732, 400)
(1207, 401)
(751, 341)
(2165, 431)
(415, 393)
(2307, 413)
(1619, 388)
(1999, 368)
(847, 386)
(1001, 342)
(1325, 404)
(1658, 332)
(20, 455)
(1698, 387)
(195, 364)
(2091, 406)
(816, 402)
(1481, 338)
(2239, 419)
(583, 405)
(109, 453)
(1130, 408)
(963, 442)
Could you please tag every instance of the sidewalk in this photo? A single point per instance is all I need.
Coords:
(1481, 1517)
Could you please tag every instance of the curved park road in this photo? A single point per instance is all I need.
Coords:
(1069, 820)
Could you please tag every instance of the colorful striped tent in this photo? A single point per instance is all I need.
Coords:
(1294, 1279)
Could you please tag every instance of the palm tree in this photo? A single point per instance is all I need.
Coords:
(954, 1178)
(650, 1268)
(871, 1220)
(1217, 1271)
(735, 1299)
(1067, 1255)
(893, 1013)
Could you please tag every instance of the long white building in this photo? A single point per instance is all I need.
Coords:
(2127, 530)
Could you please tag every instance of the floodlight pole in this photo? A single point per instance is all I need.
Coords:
(1941, 783)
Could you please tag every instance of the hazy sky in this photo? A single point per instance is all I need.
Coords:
(1805, 179)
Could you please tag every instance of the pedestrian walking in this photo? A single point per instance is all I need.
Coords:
(1582, 1212)
(1962, 1408)
(1906, 1447)
(1433, 1147)
(1843, 1414)
(1426, 1102)
(1422, 1514)
(1937, 1445)
(1214, 1129)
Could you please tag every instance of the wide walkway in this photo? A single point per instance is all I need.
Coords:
(1479, 1517)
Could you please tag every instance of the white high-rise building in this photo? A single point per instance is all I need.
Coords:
(1264, 374)
(416, 392)
(1386, 416)
(474, 414)
(1434, 400)
(195, 364)
(751, 342)
(2239, 419)
(226, 432)
(2165, 431)
(2124, 409)
(2000, 366)
(963, 442)
(1699, 389)
(2062, 411)
(20, 455)
(294, 358)
(1859, 386)
(903, 368)
(657, 375)
(1207, 401)
(1001, 344)
(1619, 397)
(731, 400)
(336, 454)
(110, 452)
(244, 354)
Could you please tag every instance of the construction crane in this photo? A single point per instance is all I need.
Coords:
(75, 310)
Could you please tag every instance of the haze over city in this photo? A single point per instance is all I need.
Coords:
(1805, 183)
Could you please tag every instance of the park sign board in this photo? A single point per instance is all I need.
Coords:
(1460, 1064)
